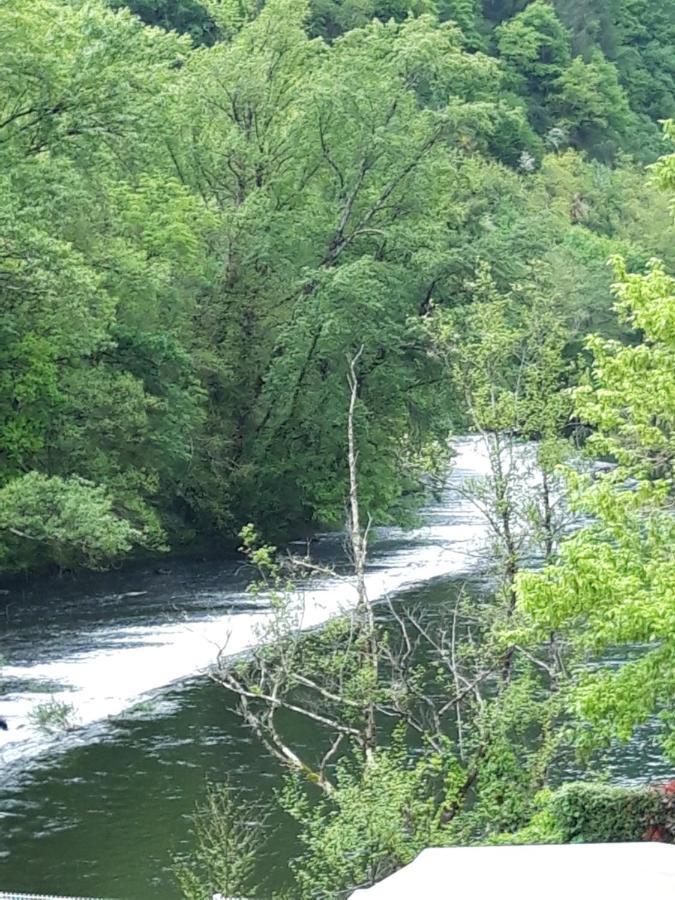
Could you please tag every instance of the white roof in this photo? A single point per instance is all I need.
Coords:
(543, 872)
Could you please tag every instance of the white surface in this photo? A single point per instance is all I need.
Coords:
(547, 872)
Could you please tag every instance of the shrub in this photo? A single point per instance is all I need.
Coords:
(599, 813)
(54, 716)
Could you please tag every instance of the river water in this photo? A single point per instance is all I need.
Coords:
(101, 810)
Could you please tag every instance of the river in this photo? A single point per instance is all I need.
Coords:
(101, 810)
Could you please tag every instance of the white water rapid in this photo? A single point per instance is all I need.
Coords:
(111, 651)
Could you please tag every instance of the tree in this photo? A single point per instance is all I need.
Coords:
(645, 33)
(194, 240)
(67, 522)
(330, 167)
(227, 840)
(98, 86)
(505, 356)
(185, 16)
(612, 586)
(592, 104)
(97, 381)
(592, 24)
(598, 66)
(448, 686)
(535, 45)
(377, 820)
(613, 583)
(330, 18)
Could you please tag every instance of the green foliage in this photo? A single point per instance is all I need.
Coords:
(68, 522)
(591, 102)
(543, 827)
(613, 584)
(378, 819)
(598, 70)
(535, 44)
(96, 86)
(53, 717)
(467, 14)
(194, 241)
(185, 16)
(441, 742)
(602, 813)
(332, 18)
(506, 357)
(226, 841)
(616, 575)
(99, 394)
(589, 812)
(603, 50)
(358, 231)
(665, 166)
(518, 737)
(645, 35)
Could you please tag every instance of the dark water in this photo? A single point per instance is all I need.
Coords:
(102, 811)
(105, 818)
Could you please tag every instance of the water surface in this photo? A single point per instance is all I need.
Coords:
(101, 811)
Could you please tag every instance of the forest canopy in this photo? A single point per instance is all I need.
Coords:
(207, 207)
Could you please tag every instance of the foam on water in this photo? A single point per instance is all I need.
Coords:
(116, 666)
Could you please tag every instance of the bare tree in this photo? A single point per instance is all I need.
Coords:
(437, 673)
(355, 675)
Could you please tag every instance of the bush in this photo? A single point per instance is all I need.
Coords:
(599, 813)
(586, 813)
(53, 717)
(227, 833)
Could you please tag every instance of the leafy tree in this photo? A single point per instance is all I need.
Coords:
(332, 18)
(592, 24)
(377, 820)
(592, 104)
(536, 46)
(69, 521)
(226, 845)
(467, 14)
(330, 243)
(195, 240)
(506, 358)
(645, 33)
(613, 583)
(614, 580)
(611, 60)
(89, 259)
(97, 87)
(384, 800)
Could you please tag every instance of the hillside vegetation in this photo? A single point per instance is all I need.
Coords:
(199, 228)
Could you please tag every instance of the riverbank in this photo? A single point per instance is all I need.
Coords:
(207, 550)
(129, 648)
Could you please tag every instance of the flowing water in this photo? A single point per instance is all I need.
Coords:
(101, 810)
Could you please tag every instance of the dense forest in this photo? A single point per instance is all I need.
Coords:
(198, 228)
(261, 263)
